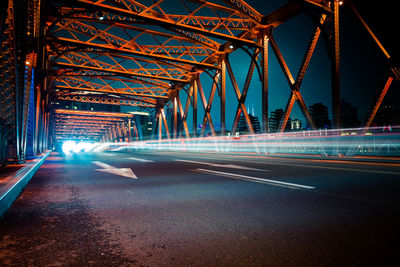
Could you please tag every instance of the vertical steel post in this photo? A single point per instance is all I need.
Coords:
(194, 105)
(222, 94)
(37, 117)
(159, 125)
(335, 69)
(183, 115)
(175, 118)
(264, 80)
(164, 119)
(129, 130)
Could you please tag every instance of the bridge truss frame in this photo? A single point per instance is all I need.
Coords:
(98, 51)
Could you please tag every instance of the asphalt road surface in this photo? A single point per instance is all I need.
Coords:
(150, 208)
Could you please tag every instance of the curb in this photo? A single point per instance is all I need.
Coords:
(10, 192)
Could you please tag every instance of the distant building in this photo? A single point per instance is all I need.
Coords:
(348, 115)
(386, 115)
(141, 126)
(295, 125)
(242, 125)
(320, 116)
(275, 119)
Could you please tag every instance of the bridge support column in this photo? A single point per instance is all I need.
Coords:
(175, 129)
(183, 115)
(222, 94)
(264, 80)
(194, 105)
(335, 69)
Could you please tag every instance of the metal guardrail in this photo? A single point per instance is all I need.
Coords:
(378, 141)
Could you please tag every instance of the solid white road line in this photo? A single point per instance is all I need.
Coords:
(231, 166)
(139, 159)
(255, 179)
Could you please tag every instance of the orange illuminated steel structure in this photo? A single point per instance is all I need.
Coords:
(148, 55)
(151, 54)
(92, 126)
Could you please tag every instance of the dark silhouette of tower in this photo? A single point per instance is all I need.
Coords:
(319, 114)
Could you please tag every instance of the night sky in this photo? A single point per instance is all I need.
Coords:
(363, 68)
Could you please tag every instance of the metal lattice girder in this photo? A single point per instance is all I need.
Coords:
(126, 52)
(76, 124)
(111, 38)
(106, 100)
(8, 70)
(104, 85)
(162, 18)
(112, 49)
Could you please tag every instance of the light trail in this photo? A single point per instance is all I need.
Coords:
(355, 142)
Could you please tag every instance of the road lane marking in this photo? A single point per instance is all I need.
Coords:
(231, 166)
(109, 154)
(125, 172)
(139, 159)
(255, 179)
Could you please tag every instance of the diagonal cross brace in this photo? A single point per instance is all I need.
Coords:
(244, 94)
(295, 85)
(238, 93)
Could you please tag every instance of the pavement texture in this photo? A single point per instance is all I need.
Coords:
(198, 209)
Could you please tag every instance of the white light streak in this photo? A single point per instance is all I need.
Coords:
(376, 141)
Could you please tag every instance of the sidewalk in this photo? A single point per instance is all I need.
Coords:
(14, 178)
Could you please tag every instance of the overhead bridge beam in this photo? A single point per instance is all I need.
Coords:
(156, 20)
(113, 49)
(121, 72)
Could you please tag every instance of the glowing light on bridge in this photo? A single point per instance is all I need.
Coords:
(344, 142)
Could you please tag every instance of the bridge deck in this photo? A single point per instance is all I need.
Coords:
(202, 209)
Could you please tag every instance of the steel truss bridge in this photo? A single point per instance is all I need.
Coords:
(149, 54)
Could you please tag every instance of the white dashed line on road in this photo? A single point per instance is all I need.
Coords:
(231, 166)
(255, 179)
(141, 160)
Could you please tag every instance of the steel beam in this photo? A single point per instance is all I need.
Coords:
(113, 49)
(264, 81)
(335, 65)
(164, 22)
(194, 106)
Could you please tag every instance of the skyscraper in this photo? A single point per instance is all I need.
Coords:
(320, 116)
